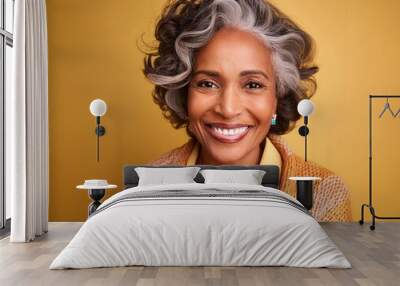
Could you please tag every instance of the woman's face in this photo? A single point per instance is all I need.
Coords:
(231, 98)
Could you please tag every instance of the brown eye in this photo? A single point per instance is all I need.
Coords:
(206, 84)
(254, 85)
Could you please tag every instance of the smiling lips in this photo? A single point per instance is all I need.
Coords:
(227, 133)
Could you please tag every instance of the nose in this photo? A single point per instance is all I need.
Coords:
(229, 103)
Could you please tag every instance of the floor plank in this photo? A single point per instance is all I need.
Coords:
(374, 255)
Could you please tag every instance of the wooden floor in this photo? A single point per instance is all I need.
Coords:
(375, 257)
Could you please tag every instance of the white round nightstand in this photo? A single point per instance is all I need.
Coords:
(304, 178)
(304, 188)
(96, 190)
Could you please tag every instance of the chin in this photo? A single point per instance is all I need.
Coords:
(227, 155)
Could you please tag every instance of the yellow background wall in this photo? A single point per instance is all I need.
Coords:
(93, 53)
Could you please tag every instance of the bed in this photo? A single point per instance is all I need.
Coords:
(201, 223)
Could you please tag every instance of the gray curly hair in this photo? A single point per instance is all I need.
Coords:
(188, 25)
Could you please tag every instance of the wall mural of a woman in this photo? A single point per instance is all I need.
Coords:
(232, 72)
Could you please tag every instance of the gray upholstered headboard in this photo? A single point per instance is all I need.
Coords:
(270, 179)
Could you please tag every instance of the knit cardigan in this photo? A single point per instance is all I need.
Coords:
(331, 198)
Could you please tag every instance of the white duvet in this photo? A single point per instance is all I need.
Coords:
(188, 231)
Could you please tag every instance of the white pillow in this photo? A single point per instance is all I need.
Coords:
(248, 177)
(161, 176)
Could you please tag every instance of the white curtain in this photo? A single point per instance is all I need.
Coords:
(27, 124)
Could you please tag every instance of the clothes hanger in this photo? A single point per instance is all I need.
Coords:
(387, 107)
(397, 113)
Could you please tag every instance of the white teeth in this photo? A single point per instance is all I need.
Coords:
(230, 131)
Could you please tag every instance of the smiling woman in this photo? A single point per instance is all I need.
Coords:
(232, 73)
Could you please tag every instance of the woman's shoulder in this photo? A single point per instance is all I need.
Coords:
(298, 167)
(295, 164)
(176, 156)
(332, 201)
(308, 168)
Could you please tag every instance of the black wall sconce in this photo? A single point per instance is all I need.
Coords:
(305, 107)
(98, 108)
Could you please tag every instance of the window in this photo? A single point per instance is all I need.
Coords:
(6, 60)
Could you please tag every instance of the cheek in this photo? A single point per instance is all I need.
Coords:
(262, 108)
(198, 104)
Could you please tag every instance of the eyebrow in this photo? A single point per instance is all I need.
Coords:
(252, 72)
(243, 73)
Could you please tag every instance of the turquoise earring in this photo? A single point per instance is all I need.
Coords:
(273, 121)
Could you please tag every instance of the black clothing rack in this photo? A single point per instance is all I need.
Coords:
(370, 205)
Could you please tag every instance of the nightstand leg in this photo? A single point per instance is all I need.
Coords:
(305, 193)
(96, 195)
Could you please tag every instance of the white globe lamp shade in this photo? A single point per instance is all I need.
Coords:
(305, 107)
(98, 107)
